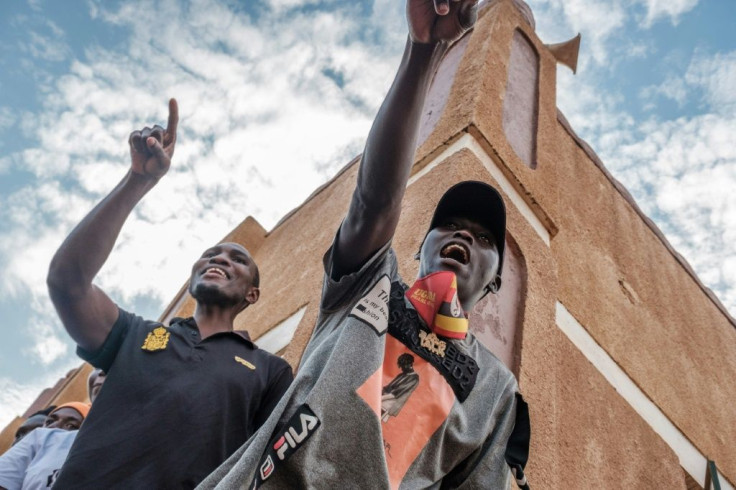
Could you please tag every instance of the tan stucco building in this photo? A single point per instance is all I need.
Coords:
(626, 359)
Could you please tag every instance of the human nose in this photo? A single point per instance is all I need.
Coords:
(464, 235)
(220, 259)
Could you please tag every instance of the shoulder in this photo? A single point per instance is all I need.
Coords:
(491, 368)
(131, 319)
(35, 439)
(128, 328)
(275, 363)
(57, 440)
(43, 438)
(266, 356)
(337, 292)
(130, 322)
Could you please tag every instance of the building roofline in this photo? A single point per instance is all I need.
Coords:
(652, 226)
(315, 193)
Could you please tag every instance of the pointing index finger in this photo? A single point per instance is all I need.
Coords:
(173, 118)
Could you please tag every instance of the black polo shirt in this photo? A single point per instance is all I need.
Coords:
(173, 406)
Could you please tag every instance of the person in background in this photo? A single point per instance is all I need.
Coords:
(68, 416)
(94, 383)
(178, 399)
(34, 421)
(35, 461)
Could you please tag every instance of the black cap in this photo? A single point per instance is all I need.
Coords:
(479, 202)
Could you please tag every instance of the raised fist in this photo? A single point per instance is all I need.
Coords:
(151, 149)
(431, 21)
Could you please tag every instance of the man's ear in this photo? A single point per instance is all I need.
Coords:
(494, 285)
(252, 295)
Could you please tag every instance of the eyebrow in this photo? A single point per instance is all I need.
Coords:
(240, 252)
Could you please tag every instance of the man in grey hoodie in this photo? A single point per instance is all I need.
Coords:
(462, 406)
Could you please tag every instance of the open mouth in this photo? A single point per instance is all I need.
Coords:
(216, 271)
(455, 251)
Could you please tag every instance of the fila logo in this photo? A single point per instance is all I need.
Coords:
(267, 468)
(298, 429)
(293, 439)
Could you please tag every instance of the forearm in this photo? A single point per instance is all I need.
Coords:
(387, 160)
(81, 256)
(389, 150)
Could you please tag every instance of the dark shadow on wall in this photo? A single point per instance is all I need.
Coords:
(498, 318)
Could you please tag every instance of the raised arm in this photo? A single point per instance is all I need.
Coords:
(86, 311)
(389, 151)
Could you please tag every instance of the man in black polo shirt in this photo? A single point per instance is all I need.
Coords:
(178, 400)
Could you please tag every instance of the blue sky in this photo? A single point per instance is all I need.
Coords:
(276, 96)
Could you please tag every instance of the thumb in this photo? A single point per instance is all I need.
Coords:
(156, 149)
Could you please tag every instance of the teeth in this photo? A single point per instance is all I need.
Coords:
(216, 271)
(456, 252)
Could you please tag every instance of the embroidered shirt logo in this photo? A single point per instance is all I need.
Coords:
(245, 363)
(156, 339)
(432, 343)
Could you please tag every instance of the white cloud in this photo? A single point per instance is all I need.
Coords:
(15, 397)
(281, 5)
(716, 76)
(7, 118)
(48, 48)
(674, 88)
(593, 112)
(597, 21)
(708, 78)
(48, 349)
(35, 4)
(657, 9)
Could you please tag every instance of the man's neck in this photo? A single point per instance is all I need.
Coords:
(214, 319)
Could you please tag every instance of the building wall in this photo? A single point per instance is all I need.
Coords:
(625, 358)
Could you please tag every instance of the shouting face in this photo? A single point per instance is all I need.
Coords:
(463, 246)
